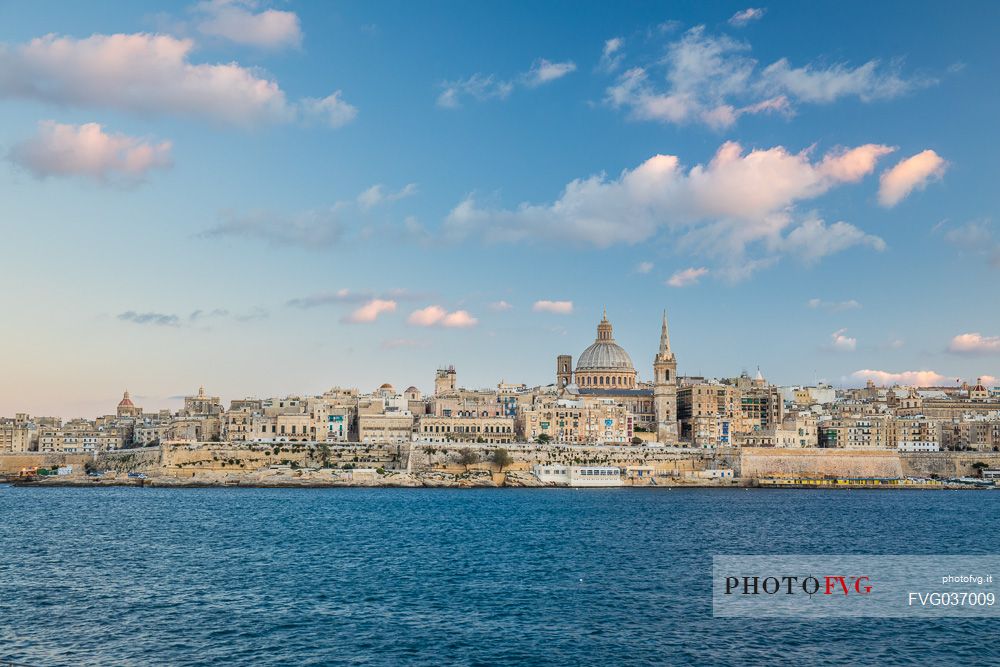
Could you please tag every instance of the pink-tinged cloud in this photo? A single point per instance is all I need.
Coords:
(557, 307)
(235, 21)
(460, 319)
(739, 198)
(370, 311)
(913, 173)
(839, 340)
(974, 344)
(988, 380)
(906, 378)
(436, 316)
(87, 150)
(500, 306)
(687, 277)
(149, 75)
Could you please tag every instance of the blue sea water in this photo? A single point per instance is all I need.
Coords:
(130, 576)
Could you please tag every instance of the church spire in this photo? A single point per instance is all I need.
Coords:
(665, 337)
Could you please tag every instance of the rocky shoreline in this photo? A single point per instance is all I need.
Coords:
(328, 479)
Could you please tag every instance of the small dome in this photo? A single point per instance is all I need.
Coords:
(126, 402)
(387, 386)
(411, 390)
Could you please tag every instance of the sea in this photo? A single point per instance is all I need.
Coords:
(351, 576)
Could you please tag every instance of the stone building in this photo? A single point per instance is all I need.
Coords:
(494, 430)
(585, 420)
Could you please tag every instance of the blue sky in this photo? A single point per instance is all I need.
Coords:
(186, 195)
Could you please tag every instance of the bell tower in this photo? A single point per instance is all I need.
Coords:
(665, 389)
(564, 370)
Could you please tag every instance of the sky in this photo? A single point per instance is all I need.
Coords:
(271, 198)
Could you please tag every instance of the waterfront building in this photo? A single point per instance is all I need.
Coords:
(586, 420)
(490, 429)
(386, 427)
(578, 476)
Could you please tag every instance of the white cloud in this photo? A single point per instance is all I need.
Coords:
(908, 175)
(720, 209)
(370, 311)
(907, 378)
(643, 267)
(480, 87)
(236, 21)
(976, 238)
(712, 80)
(87, 150)
(144, 74)
(813, 240)
(741, 18)
(311, 229)
(500, 306)
(331, 110)
(377, 194)
(974, 344)
(483, 87)
(317, 228)
(557, 307)
(436, 316)
(687, 277)
(544, 71)
(611, 56)
(839, 340)
(834, 306)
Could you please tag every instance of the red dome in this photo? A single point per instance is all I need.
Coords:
(126, 402)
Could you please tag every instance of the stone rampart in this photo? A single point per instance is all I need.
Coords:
(756, 462)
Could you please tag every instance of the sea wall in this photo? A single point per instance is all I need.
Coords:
(189, 459)
(11, 464)
(947, 464)
(756, 462)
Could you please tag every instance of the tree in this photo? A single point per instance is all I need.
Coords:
(502, 458)
(544, 439)
(324, 454)
(636, 440)
(467, 457)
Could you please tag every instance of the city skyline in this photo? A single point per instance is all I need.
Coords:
(273, 198)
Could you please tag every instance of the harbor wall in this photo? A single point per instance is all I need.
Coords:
(756, 462)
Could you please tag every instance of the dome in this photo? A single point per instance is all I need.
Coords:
(412, 390)
(387, 386)
(126, 402)
(605, 354)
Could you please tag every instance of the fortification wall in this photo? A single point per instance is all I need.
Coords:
(947, 464)
(188, 459)
(758, 462)
(14, 463)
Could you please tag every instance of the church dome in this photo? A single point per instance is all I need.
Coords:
(605, 354)
(126, 402)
